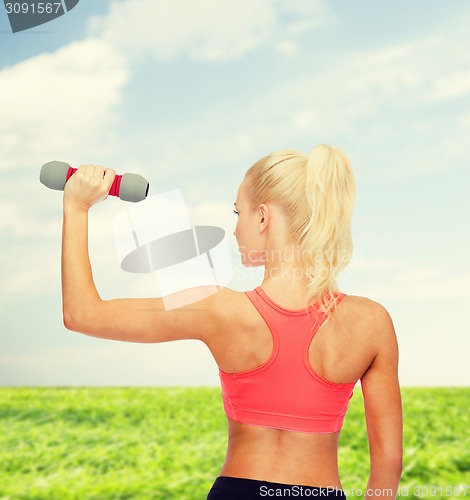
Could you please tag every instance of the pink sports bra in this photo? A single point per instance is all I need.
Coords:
(285, 392)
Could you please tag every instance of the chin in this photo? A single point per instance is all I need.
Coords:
(250, 263)
(251, 258)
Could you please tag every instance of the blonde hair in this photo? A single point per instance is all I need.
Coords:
(317, 193)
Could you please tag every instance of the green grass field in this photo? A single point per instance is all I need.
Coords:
(152, 443)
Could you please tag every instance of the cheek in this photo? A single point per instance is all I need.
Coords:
(237, 228)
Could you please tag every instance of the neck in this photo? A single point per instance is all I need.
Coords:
(285, 275)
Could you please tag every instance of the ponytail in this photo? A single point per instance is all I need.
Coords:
(317, 193)
(324, 239)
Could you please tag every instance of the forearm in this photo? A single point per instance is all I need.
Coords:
(79, 294)
(384, 479)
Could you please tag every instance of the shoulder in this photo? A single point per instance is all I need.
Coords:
(225, 299)
(369, 318)
(223, 309)
(365, 308)
(233, 308)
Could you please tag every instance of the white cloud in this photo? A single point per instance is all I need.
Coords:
(55, 103)
(464, 120)
(287, 47)
(386, 100)
(376, 98)
(54, 106)
(310, 11)
(455, 84)
(207, 30)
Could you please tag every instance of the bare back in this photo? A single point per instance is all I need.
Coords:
(341, 352)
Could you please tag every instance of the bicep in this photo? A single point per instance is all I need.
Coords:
(381, 390)
(149, 321)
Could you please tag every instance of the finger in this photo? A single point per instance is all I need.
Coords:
(86, 171)
(98, 172)
(109, 175)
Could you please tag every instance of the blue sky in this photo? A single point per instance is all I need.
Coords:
(190, 94)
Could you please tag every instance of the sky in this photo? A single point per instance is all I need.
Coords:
(190, 94)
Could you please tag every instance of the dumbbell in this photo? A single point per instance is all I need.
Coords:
(129, 187)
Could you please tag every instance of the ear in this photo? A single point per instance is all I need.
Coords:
(264, 217)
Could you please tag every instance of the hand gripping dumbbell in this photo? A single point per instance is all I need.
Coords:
(129, 187)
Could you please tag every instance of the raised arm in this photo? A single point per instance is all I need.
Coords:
(130, 320)
(383, 410)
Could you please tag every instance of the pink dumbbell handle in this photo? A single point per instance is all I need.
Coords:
(114, 191)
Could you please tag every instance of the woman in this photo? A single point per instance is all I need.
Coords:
(290, 351)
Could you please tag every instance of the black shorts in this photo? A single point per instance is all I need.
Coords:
(235, 488)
